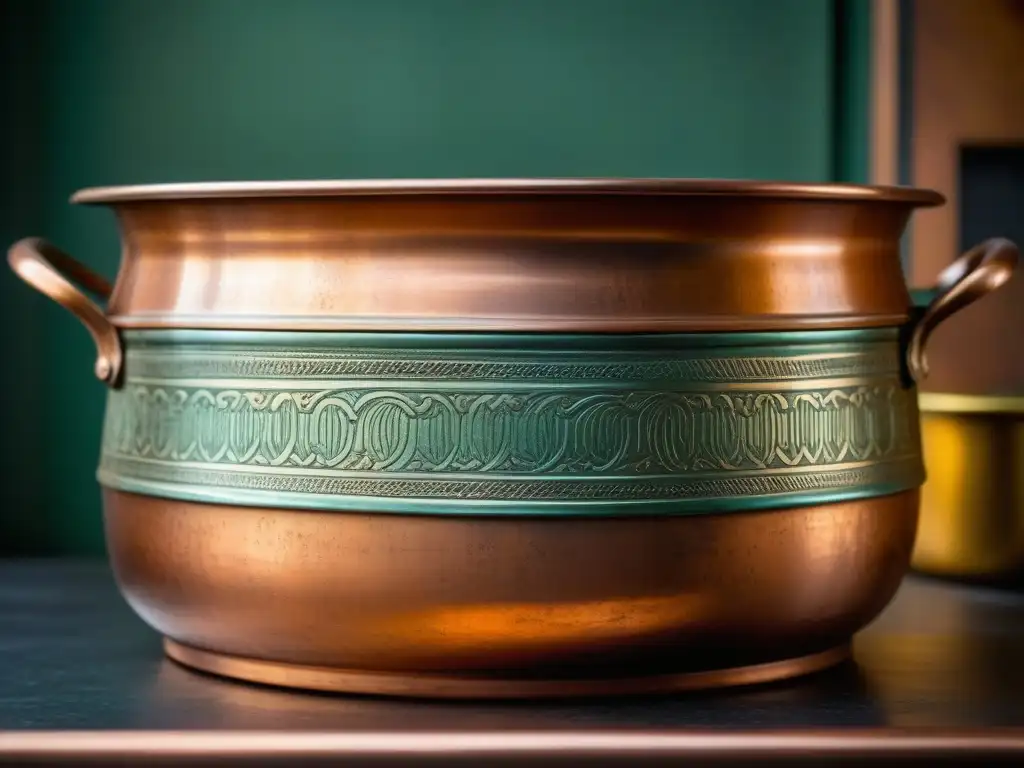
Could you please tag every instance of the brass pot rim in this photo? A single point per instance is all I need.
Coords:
(949, 402)
(505, 186)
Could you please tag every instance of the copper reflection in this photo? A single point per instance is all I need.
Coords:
(439, 604)
(553, 262)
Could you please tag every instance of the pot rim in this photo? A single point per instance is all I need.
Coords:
(507, 186)
(956, 403)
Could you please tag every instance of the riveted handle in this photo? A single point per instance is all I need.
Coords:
(975, 274)
(55, 274)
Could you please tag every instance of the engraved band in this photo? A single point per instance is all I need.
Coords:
(492, 424)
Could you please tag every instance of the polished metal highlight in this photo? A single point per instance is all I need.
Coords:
(507, 607)
(575, 256)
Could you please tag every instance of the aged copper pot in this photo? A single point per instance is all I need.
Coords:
(510, 438)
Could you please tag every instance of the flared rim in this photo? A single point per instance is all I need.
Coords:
(526, 186)
(951, 403)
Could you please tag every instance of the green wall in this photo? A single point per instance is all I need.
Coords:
(140, 91)
(23, 526)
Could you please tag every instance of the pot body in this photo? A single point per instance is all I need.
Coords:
(475, 606)
(972, 516)
(510, 515)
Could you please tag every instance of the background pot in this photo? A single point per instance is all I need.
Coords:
(972, 521)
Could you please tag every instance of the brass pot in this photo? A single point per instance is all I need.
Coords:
(972, 510)
(510, 438)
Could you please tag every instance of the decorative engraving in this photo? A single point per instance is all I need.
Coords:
(513, 426)
(875, 359)
(889, 475)
(632, 433)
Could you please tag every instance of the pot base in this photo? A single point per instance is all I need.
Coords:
(469, 687)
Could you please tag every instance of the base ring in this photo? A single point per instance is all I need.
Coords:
(337, 680)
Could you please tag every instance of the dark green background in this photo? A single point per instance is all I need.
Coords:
(126, 91)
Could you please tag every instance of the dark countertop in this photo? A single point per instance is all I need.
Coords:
(940, 674)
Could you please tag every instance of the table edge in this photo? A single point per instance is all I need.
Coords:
(718, 746)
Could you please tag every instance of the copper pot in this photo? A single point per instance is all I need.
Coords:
(510, 438)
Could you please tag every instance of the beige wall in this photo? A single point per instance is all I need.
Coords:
(968, 87)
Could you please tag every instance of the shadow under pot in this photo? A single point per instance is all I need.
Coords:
(510, 438)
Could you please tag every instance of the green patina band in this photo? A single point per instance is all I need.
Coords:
(513, 424)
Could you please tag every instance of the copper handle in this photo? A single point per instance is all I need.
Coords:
(975, 274)
(55, 274)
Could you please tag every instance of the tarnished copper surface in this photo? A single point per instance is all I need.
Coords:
(573, 255)
(471, 601)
